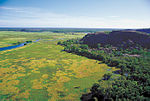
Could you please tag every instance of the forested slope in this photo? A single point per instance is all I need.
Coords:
(134, 81)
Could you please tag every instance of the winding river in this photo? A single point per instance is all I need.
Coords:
(16, 46)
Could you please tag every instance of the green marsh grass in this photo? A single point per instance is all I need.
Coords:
(41, 71)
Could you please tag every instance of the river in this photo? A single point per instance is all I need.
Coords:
(16, 46)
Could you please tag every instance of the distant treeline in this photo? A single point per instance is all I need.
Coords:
(134, 82)
(66, 30)
(56, 30)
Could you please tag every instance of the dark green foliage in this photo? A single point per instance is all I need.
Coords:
(107, 76)
(121, 89)
(120, 39)
(59, 43)
(99, 46)
(16, 43)
(84, 46)
(134, 84)
(28, 41)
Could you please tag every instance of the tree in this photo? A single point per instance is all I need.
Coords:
(59, 43)
(107, 76)
(98, 45)
(83, 46)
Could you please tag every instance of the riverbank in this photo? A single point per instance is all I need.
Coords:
(18, 44)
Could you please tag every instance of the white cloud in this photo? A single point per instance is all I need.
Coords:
(11, 9)
(114, 16)
(6, 8)
(34, 17)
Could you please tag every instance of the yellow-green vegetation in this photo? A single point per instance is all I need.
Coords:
(41, 71)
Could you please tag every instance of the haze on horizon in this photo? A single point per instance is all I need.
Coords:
(75, 13)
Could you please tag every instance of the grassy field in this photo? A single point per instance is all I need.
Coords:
(41, 71)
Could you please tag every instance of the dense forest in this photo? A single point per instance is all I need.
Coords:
(134, 80)
(119, 39)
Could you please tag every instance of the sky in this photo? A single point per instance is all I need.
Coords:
(75, 13)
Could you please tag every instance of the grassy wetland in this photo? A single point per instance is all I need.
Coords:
(41, 71)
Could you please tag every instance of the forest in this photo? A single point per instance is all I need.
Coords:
(134, 80)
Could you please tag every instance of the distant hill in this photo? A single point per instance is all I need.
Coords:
(144, 30)
(123, 39)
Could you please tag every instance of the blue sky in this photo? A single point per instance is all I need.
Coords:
(75, 13)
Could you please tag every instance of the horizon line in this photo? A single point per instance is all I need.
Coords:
(75, 27)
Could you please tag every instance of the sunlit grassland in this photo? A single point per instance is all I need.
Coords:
(41, 71)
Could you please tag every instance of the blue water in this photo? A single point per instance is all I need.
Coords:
(37, 40)
(16, 46)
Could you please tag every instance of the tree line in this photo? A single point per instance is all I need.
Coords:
(135, 63)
